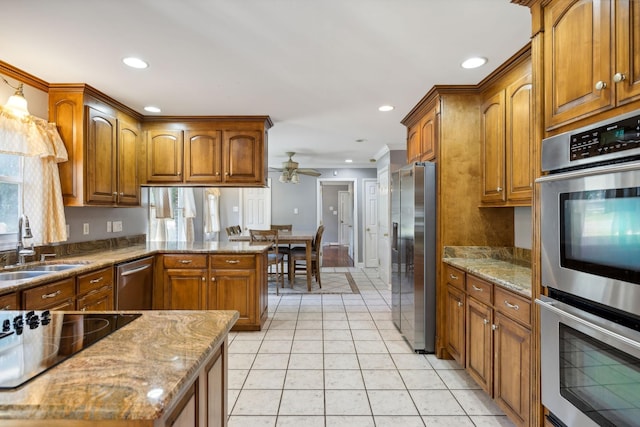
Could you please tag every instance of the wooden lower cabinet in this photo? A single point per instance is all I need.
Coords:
(59, 295)
(185, 289)
(204, 403)
(455, 315)
(479, 341)
(512, 368)
(489, 334)
(10, 301)
(95, 290)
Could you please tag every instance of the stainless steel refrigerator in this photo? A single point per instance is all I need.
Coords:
(413, 254)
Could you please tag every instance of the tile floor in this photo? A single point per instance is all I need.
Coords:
(338, 360)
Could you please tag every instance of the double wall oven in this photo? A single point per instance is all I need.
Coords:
(590, 259)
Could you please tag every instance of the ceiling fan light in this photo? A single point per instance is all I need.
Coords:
(294, 178)
(284, 177)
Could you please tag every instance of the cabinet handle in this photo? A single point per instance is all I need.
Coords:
(6, 307)
(83, 309)
(459, 303)
(475, 288)
(600, 85)
(99, 279)
(453, 276)
(52, 294)
(618, 77)
(499, 189)
(485, 321)
(494, 327)
(232, 261)
(513, 306)
(135, 270)
(185, 261)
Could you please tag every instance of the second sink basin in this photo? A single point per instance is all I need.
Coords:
(20, 275)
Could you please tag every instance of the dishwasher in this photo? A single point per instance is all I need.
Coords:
(134, 285)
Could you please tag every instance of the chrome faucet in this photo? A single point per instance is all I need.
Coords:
(21, 250)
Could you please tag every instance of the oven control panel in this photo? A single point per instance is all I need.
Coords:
(611, 138)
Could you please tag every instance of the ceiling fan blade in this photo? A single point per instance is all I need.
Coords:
(275, 169)
(310, 172)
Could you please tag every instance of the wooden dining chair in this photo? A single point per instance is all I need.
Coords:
(298, 258)
(284, 250)
(233, 230)
(274, 257)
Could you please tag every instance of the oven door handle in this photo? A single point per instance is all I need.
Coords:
(605, 327)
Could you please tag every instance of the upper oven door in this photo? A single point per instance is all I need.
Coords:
(590, 234)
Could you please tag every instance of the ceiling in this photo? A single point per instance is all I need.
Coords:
(319, 68)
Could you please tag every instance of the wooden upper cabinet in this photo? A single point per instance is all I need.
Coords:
(164, 156)
(428, 136)
(413, 143)
(243, 157)
(627, 70)
(224, 153)
(102, 142)
(493, 148)
(591, 60)
(202, 156)
(519, 140)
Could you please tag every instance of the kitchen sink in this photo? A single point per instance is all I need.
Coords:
(52, 267)
(20, 275)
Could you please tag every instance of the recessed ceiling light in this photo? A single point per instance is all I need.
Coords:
(135, 62)
(475, 62)
(348, 161)
(152, 109)
(386, 108)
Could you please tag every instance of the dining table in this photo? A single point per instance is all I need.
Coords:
(291, 238)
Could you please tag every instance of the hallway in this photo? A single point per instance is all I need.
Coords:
(338, 360)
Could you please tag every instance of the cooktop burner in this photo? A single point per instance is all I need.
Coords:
(34, 341)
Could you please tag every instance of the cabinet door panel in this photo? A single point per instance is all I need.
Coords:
(628, 50)
(10, 302)
(512, 368)
(164, 156)
(479, 343)
(202, 156)
(428, 136)
(578, 54)
(101, 300)
(184, 289)
(519, 128)
(235, 291)
(455, 328)
(243, 157)
(101, 157)
(128, 156)
(413, 143)
(493, 145)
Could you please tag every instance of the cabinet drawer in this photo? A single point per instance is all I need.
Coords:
(185, 261)
(9, 302)
(514, 306)
(94, 280)
(454, 276)
(479, 289)
(49, 295)
(233, 261)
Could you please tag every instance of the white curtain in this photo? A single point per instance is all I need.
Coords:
(42, 148)
(189, 213)
(212, 214)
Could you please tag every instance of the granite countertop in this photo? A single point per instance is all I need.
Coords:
(496, 265)
(135, 373)
(93, 260)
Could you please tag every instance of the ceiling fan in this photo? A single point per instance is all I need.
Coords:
(290, 170)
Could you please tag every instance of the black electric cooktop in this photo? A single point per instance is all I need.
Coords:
(33, 341)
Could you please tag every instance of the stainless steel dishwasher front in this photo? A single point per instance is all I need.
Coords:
(134, 285)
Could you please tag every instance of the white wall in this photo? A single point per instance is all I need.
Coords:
(522, 227)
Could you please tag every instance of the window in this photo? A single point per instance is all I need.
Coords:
(10, 195)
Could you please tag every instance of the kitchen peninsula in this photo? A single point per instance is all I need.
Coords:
(163, 368)
(187, 276)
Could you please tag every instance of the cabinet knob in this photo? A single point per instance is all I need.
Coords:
(618, 77)
(121, 194)
(6, 307)
(226, 174)
(600, 85)
(485, 321)
(204, 279)
(213, 279)
(217, 173)
(179, 173)
(499, 189)
(494, 327)
(115, 194)
(459, 303)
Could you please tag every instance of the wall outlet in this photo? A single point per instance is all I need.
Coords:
(117, 226)
(108, 226)
(85, 228)
(68, 231)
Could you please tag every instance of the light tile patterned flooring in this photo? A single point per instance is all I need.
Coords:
(338, 360)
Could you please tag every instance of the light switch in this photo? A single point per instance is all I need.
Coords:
(117, 226)
(295, 211)
(85, 228)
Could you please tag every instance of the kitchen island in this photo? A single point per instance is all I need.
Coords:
(164, 368)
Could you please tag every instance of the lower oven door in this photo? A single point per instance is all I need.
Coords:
(590, 367)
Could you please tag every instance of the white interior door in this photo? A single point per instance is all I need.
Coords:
(345, 215)
(256, 208)
(384, 239)
(370, 223)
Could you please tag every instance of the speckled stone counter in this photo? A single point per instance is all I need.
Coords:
(93, 260)
(135, 374)
(506, 267)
